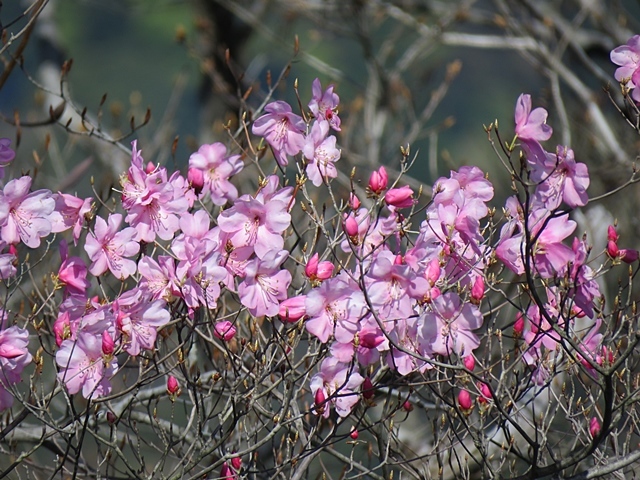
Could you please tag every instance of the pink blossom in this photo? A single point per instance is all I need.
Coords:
(354, 201)
(25, 216)
(265, 284)
(14, 358)
(70, 212)
(159, 277)
(108, 246)
(217, 168)
(318, 271)
(108, 344)
(563, 180)
(322, 154)
(338, 383)
(282, 129)
(293, 309)
(531, 125)
(82, 366)
(72, 273)
(224, 330)
(7, 261)
(324, 105)
(628, 58)
(447, 328)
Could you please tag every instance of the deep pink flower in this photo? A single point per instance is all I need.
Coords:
(25, 216)
(324, 105)
(108, 246)
(282, 129)
(217, 168)
(594, 427)
(464, 400)
(70, 212)
(318, 271)
(378, 180)
(400, 197)
(173, 387)
(469, 362)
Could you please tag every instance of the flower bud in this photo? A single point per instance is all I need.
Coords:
(311, 269)
(173, 387)
(628, 255)
(469, 362)
(378, 180)
(433, 271)
(111, 417)
(485, 392)
(407, 406)
(293, 309)
(612, 249)
(518, 326)
(351, 226)
(464, 400)
(367, 389)
(354, 201)
(477, 290)
(108, 345)
(594, 427)
(224, 330)
(236, 463)
(400, 197)
(612, 235)
(354, 433)
(325, 270)
(150, 168)
(226, 473)
(320, 399)
(195, 176)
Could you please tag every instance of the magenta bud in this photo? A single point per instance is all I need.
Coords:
(354, 433)
(400, 197)
(378, 180)
(195, 176)
(311, 269)
(628, 255)
(485, 392)
(293, 309)
(594, 427)
(150, 168)
(477, 290)
(108, 345)
(469, 362)
(518, 326)
(367, 389)
(612, 235)
(226, 473)
(320, 399)
(224, 330)
(407, 406)
(173, 387)
(111, 418)
(433, 271)
(354, 201)
(236, 463)
(351, 226)
(464, 400)
(325, 270)
(13, 250)
(612, 249)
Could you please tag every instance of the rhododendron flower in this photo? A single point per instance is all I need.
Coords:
(378, 180)
(173, 387)
(338, 383)
(159, 277)
(25, 216)
(7, 261)
(594, 427)
(224, 330)
(531, 125)
(293, 309)
(464, 400)
(318, 271)
(265, 284)
(83, 366)
(322, 154)
(72, 273)
(217, 168)
(282, 129)
(400, 197)
(70, 212)
(108, 246)
(14, 357)
(324, 105)
(563, 180)
(628, 58)
(448, 327)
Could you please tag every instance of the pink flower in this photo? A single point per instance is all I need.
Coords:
(282, 129)
(563, 180)
(25, 216)
(265, 284)
(336, 383)
(628, 58)
(324, 105)
(322, 154)
(447, 328)
(293, 309)
(217, 168)
(378, 180)
(14, 358)
(72, 273)
(224, 330)
(107, 248)
(531, 125)
(82, 366)
(318, 271)
(70, 212)
(108, 344)
(400, 197)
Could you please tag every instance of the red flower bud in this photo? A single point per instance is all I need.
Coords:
(378, 180)
(111, 418)
(173, 387)
(196, 179)
(594, 427)
(407, 406)
(354, 433)
(236, 463)
(400, 197)
(469, 362)
(612, 235)
(320, 400)
(464, 400)
(612, 249)
(108, 345)
(311, 269)
(367, 389)
(485, 392)
(518, 326)
(224, 330)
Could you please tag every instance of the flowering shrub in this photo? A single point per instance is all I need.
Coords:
(251, 330)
